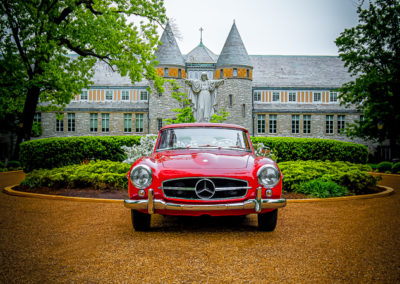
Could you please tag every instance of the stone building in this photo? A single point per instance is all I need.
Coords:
(269, 95)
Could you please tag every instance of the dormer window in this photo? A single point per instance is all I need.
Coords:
(235, 72)
(166, 72)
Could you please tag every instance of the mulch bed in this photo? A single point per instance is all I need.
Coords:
(123, 194)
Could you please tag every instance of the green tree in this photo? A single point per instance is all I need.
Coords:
(371, 52)
(184, 114)
(38, 37)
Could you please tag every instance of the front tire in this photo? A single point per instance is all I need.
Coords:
(140, 221)
(267, 221)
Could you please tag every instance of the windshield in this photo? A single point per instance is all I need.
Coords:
(203, 137)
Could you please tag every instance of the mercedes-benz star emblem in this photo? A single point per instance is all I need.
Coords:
(205, 189)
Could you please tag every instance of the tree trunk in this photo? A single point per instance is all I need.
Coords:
(25, 126)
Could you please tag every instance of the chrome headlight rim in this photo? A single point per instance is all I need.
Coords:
(277, 175)
(148, 171)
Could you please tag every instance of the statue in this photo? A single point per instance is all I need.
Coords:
(203, 94)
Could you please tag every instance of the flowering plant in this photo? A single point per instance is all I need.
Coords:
(145, 148)
(263, 151)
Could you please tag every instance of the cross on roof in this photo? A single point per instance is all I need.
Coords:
(201, 35)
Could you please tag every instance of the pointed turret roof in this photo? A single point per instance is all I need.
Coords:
(201, 54)
(169, 53)
(234, 53)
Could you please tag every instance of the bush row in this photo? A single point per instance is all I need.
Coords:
(50, 153)
(292, 149)
(353, 177)
(56, 152)
(11, 166)
(314, 178)
(95, 174)
(386, 167)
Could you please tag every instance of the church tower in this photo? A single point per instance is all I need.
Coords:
(234, 65)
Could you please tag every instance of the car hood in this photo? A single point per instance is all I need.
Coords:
(207, 160)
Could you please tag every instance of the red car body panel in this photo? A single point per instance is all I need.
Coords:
(174, 164)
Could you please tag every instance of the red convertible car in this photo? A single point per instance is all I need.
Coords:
(204, 169)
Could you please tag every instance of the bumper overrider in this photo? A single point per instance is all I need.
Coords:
(150, 204)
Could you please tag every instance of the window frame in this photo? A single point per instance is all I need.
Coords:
(320, 97)
(112, 95)
(261, 123)
(105, 117)
(87, 95)
(329, 124)
(307, 124)
(273, 123)
(295, 97)
(258, 93)
(341, 123)
(295, 123)
(140, 95)
(127, 118)
(336, 94)
(122, 95)
(91, 118)
(273, 97)
(139, 117)
(71, 122)
(59, 124)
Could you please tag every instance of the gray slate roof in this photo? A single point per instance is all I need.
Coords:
(169, 53)
(234, 52)
(201, 54)
(299, 71)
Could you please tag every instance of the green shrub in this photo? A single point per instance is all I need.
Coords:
(292, 149)
(396, 168)
(322, 189)
(2, 165)
(50, 153)
(14, 165)
(384, 166)
(373, 166)
(3, 170)
(352, 176)
(96, 174)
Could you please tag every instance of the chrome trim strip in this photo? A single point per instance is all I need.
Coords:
(231, 188)
(248, 204)
(178, 188)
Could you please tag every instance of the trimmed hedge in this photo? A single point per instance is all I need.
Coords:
(57, 152)
(354, 177)
(50, 153)
(96, 174)
(292, 149)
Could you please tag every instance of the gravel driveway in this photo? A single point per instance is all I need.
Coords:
(64, 241)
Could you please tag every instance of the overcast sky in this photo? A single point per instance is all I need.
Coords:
(268, 27)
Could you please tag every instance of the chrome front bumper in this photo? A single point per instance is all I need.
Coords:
(152, 204)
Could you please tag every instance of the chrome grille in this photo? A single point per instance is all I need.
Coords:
(185, 188)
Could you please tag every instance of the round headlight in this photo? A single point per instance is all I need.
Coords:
(141, 176)
(268, 176)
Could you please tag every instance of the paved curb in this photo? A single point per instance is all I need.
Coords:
(388, 191)
(10, 191)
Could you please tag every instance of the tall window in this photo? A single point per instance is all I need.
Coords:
(84, 96)
(71, 122)
(127, 122)
(125, 95)
(329, 124)
(244, 110)
(341, 123)
(139, 122)
(230, 100)
(179, 73)
(221, 73)
(143, 95)
(276, 96)
(248, 73)
(261, 123)
(273, 123)
(292, 96)
(166, 72)
(159, 123)
(38, 117)
(109, 95)
(105, 122)
(235, 72)
(295, 123)
(306, 123)
(317, 97)
(93, 122)
(60, 124)
(257, 96)
(333, 97)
